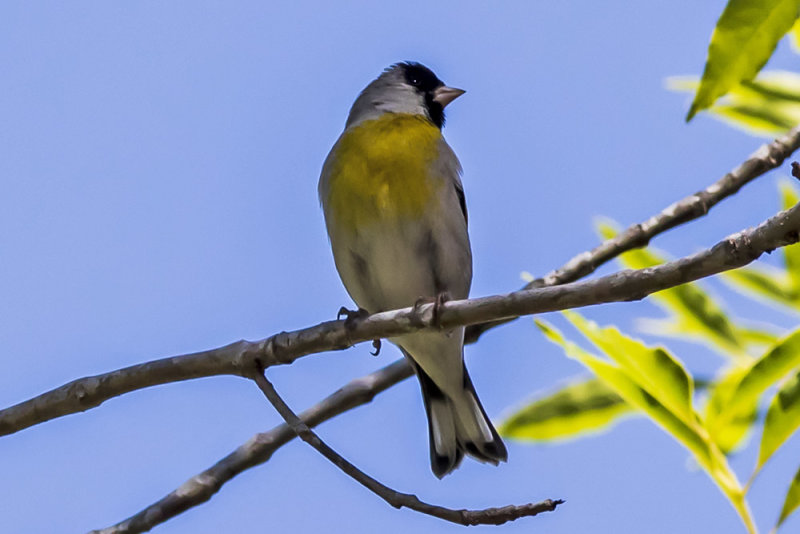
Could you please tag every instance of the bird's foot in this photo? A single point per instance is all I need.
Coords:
(437, 302)
(351, 316)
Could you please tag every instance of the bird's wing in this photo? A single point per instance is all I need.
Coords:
(462, 200)
(450, 227)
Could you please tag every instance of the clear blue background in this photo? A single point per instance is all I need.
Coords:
(158, 170)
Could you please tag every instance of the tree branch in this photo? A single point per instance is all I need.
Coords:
(735, 251)
(89, 392)
(258, 449)
(285, 347)
(489, 516)
(360, 391)
(767, 157)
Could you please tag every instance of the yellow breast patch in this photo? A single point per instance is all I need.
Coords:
(381, 171)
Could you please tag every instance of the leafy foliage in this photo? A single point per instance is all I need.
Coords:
(632, 378)
(651, 380)
(730, 432)
(792, 500)
(773, 366)
(794, 35)
(782, 419)
(582, 406)
(635, 379)
(733, 405)
(747, 33)
(767, 106)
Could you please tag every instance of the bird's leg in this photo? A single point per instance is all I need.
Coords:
(350, 319)
(437, 301)
(441, 298)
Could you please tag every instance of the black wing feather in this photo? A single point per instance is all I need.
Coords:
(462, 200)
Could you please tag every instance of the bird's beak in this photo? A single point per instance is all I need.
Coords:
(444, 95)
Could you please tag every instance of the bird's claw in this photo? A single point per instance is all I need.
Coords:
(437, 302)
(351, 316)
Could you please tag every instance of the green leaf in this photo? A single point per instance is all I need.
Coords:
(768, 106)
(783, 418)
(794, 35)
(776, 363)
(642, 387)
(792, 500)
(789, 195)
(754, 336)
(653, 368)
(635, 395)
(729, 434)
(745, 37)
(775, 86)
(693, 313)
(757, 118)
(791, 254)
(763, 281)
(582, 407)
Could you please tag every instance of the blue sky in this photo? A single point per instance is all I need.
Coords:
(159, 165)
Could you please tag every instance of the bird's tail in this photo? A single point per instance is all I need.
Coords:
(458, 424)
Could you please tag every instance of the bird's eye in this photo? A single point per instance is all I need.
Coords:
(415, 82)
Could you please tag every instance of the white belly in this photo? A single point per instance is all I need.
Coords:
(386, 267)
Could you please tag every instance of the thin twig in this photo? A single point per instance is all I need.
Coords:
(767, 157)
(734, 251)
(258, 449)
(488, 516)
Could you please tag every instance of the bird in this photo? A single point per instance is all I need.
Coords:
(396, 218)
